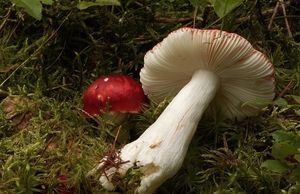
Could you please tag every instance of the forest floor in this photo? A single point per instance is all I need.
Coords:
(48, 60)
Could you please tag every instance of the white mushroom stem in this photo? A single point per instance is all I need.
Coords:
(161, 149)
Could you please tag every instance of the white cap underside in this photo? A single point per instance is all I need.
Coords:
(245, 73)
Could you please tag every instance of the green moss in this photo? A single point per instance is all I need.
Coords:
(45, 66)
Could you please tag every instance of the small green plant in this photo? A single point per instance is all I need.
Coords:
(222, 8)
(286, 156)
(86, 4)
(32, 7)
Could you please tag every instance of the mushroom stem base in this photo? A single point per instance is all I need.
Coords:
(163, 146)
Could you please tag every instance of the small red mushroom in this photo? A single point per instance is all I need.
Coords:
(113, 93)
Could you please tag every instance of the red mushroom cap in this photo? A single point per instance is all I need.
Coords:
(113, 93)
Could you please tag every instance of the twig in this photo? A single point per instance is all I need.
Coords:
(285, 19)
(225, 142)
(111, 159)
(5, 18)
(205, 16)
(63, 86)
(116, 138)
(275, 11)
(194, 16)
(264, 13)
(285, 89)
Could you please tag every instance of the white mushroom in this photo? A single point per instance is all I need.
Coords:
(205, 70)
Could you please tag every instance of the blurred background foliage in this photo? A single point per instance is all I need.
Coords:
(51, 50)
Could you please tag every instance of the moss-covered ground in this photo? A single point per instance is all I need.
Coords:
(48, 146)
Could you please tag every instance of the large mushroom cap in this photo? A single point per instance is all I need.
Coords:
(245, 74)
(114, 93)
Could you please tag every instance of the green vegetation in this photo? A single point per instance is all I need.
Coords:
(51, 52)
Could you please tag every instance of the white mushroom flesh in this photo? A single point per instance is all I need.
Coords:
(162, 147)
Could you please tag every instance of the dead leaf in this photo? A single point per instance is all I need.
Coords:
(9, 68)
(11, 106)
